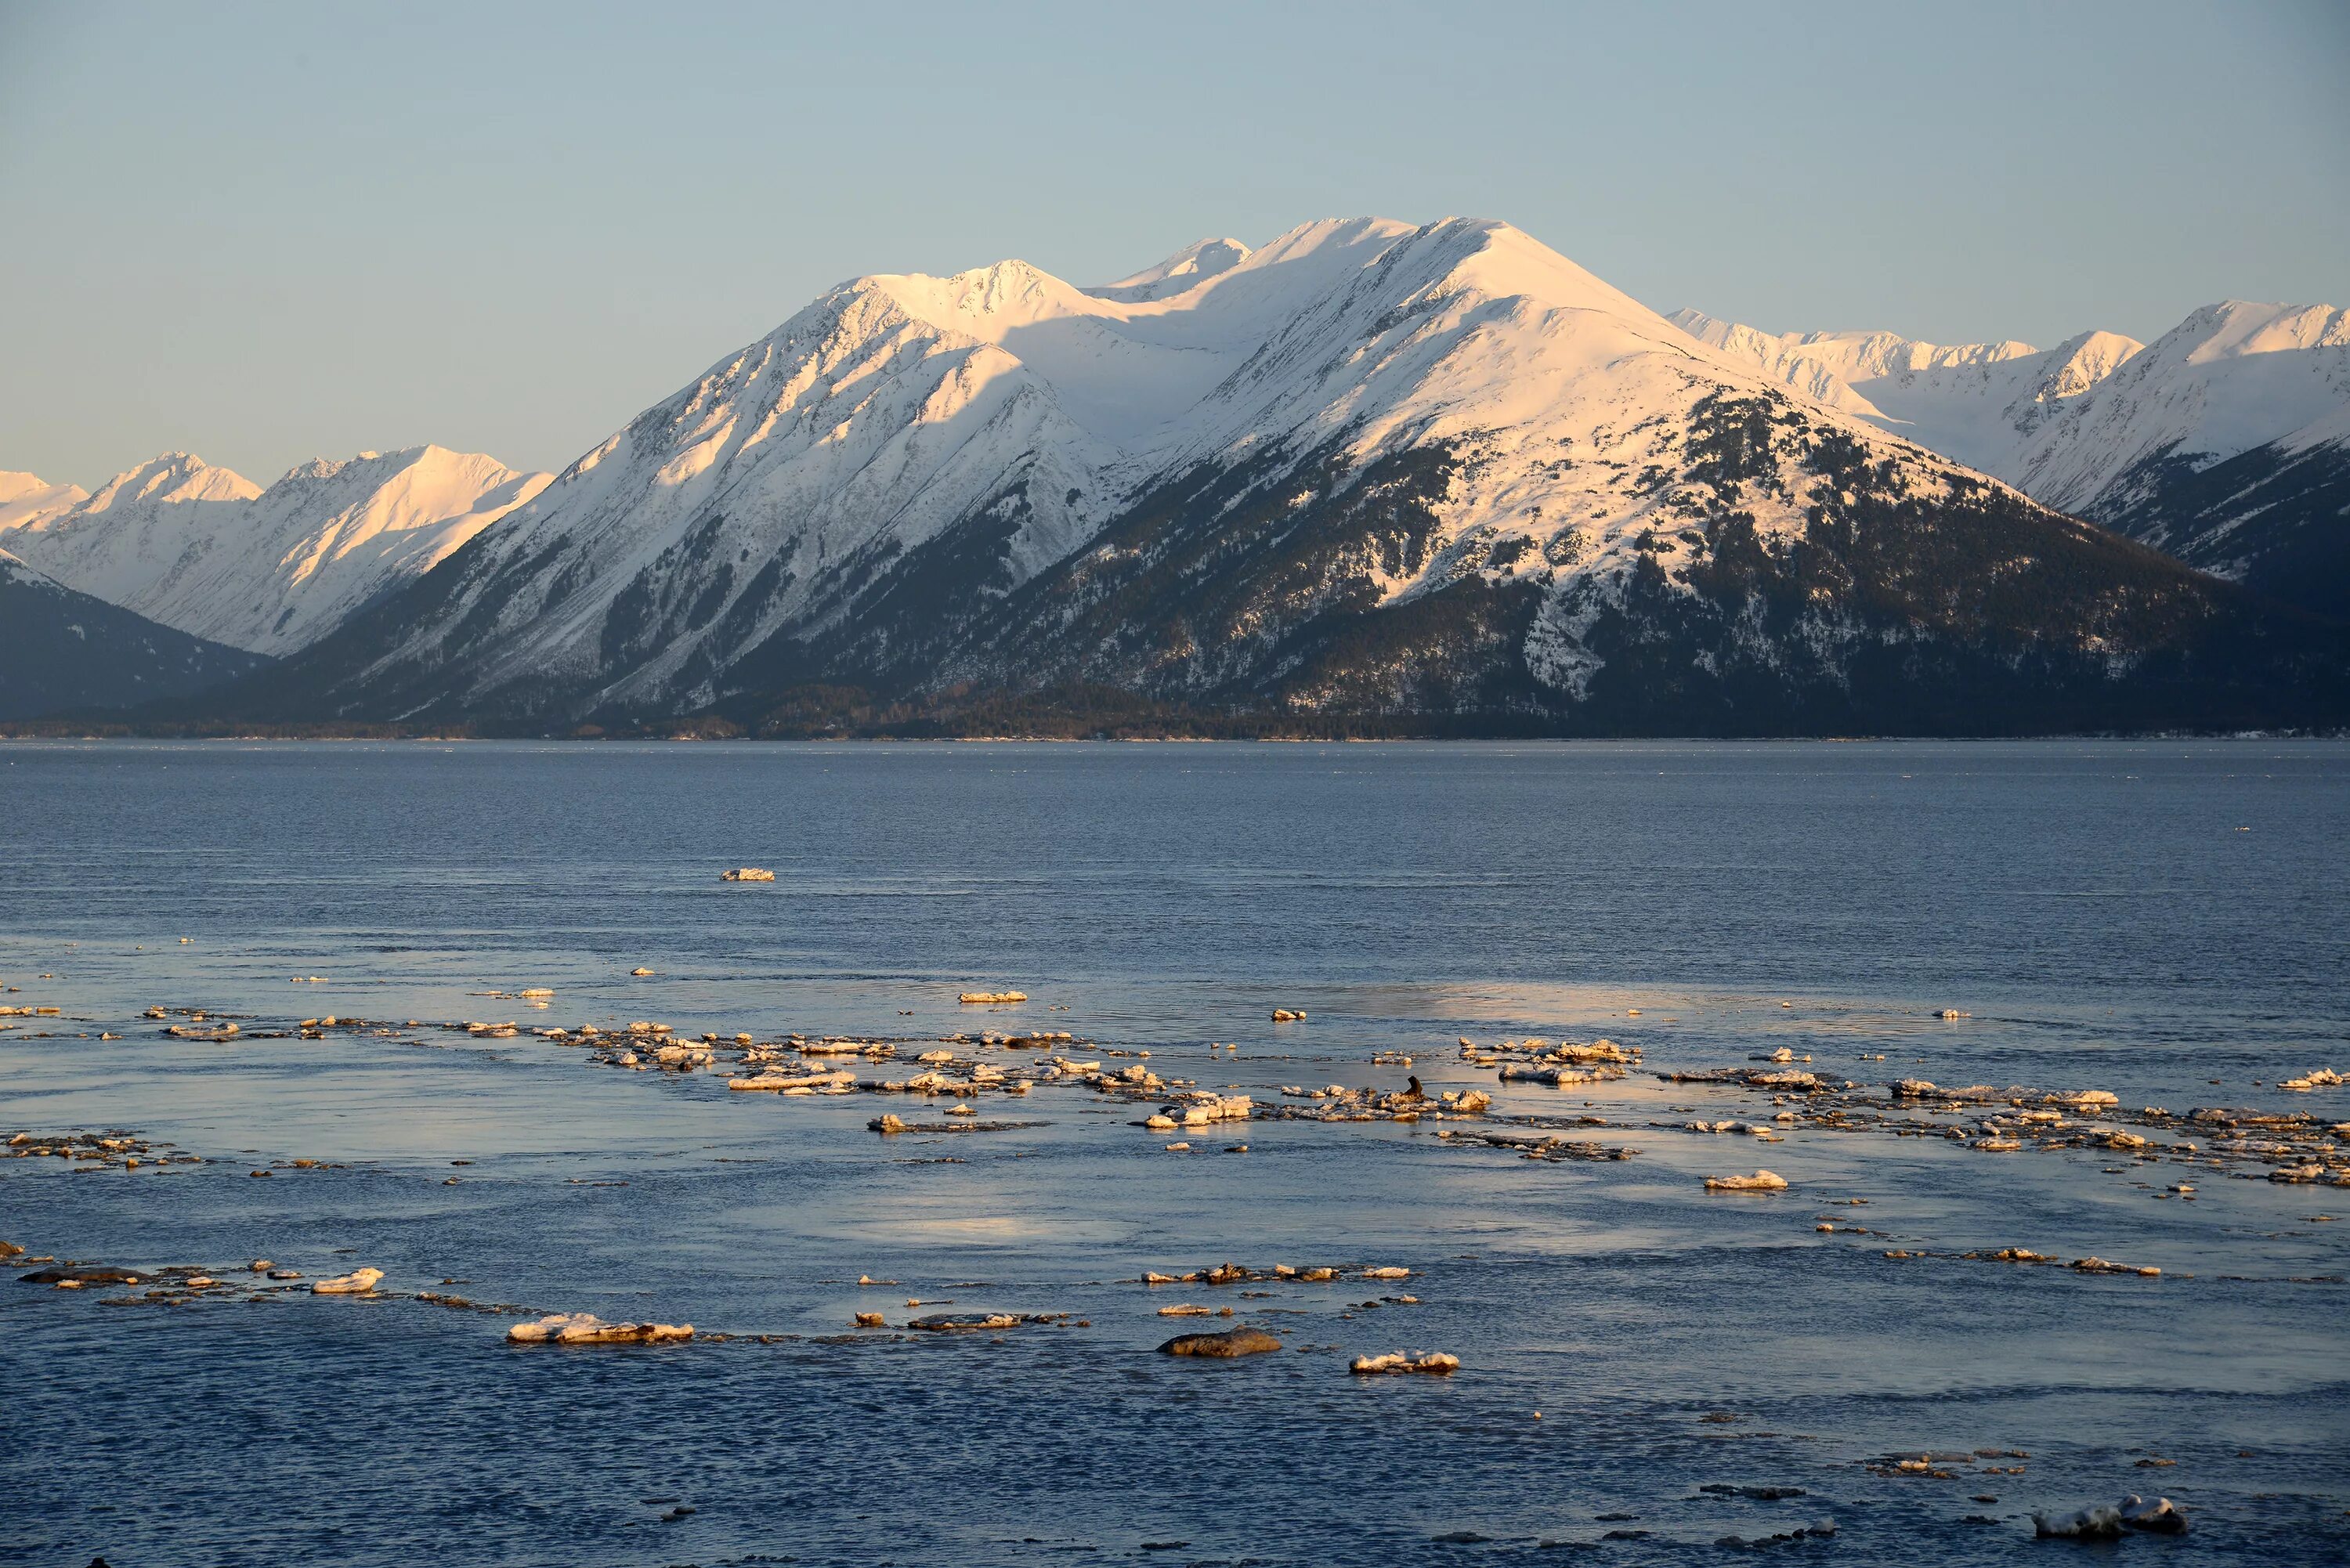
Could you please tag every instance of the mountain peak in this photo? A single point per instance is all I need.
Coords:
(202, 550)
(378, 467)
(1185, 270)
(27, 500)
(173, 477)
(1372, 466)
(2231, 329)
(2082, 360)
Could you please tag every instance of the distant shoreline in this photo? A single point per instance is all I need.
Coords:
(23, 733)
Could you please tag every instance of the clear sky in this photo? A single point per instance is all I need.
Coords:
(268, 232)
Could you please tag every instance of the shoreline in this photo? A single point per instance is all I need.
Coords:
(35, 732)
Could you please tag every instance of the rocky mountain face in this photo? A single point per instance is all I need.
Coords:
(2223, 443)
(62, 651)
(1373, 475)
(205, 550)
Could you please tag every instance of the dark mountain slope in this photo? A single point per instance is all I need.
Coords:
(63, 650)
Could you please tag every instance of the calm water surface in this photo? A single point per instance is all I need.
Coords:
(2143, 917)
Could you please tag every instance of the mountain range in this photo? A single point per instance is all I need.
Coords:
(206, 551)
(2225, 443)
(1371, 477)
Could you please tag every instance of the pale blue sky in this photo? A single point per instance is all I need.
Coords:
(265, 233)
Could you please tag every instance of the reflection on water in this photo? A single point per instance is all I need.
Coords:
(2094, 906)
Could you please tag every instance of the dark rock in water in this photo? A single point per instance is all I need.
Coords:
(1760, 1494)
(2159, 1516)
(965, 1322)
(1231, 1343)
(84, 1276)
(1823, 1529)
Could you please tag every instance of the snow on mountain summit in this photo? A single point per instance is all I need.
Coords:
(205, 550)
(859, 494)
(175, 476)
(1971, 401)
(2231, 377)
(26, 499)
(2219, 442)
(1369, 468)
(1185, 270)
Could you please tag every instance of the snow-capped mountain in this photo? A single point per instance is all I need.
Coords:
(62, 651)
(24, 498)
(204, 549)
(1369, 468)
(1178, 274)
(2216, 442)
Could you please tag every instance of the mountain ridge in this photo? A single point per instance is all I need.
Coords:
(205, 550)
(2129, 435)
(1435, 472)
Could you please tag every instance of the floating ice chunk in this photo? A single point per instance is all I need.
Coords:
(586, 1328)
(1558, 1077)
(547, 1327)
(1434, 1361)
(358, 1282)
(1760, 1181)
(2103, 1523)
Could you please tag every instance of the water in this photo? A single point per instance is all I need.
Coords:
(2143, 917)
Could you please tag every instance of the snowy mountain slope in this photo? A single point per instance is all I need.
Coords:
(62, 651)
(1980, 403)
(2122, 433)
(1190, 265)
(2230, 378)
(24, 498)
(202, 549)
(1366, 468)
(2275, 518)
(115, 544)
